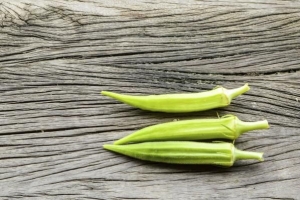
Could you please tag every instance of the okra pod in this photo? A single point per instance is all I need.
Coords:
(180, 103)
(227, 127)
(178, 152)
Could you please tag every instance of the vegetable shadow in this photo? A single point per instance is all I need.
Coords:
(191, 168)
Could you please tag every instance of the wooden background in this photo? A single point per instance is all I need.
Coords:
(56, 57)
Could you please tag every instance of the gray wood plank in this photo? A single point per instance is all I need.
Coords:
(56, 57)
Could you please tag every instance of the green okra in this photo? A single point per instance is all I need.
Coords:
(180, 103)
(183, 152)
(227, 127)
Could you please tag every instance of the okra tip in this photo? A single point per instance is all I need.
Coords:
(106, 93)
(113, 95)
(108, 147)
(115, 148)
(120, 141)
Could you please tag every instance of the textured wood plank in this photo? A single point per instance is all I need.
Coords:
(56, 57)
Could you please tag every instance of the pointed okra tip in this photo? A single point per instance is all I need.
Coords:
(120, 142)
(125, 140)
(115, 148)
(113, 95)
(109, 147)
(121, 149)
(106, 93)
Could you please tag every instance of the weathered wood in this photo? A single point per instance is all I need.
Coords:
(56, 56)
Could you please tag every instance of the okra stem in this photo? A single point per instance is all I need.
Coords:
(246, 155)
(250, 126)
(232, 93)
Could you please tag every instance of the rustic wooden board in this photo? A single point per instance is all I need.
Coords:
(56, 57)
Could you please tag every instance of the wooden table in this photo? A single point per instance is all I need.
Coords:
(56, 57)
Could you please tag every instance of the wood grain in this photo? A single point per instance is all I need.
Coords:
(56, 57)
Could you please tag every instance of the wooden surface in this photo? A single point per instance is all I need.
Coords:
(56, 57)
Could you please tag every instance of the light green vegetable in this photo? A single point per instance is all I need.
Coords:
(178, 152)
(227, 127)
(180, 103)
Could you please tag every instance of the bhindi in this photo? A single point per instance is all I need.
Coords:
(185, 152)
